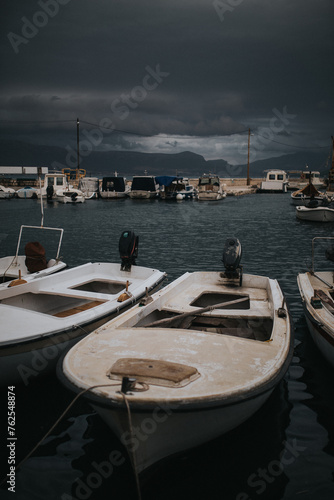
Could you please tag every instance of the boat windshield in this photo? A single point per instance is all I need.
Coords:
(143, 184)
(209, 180)
(113, 184)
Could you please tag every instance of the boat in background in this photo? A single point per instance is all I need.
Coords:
(209, 188)
(6, 193)
(114, 187)
(52, 182)
(144, 187)
(306, 176)
(316, 213)
(41, 318)
(174, 187)
(27, 192)
(303, 196)
(89, 186)
(70, 195)
(17, 269)
(276, 182)
(194, 361)
(317, 293)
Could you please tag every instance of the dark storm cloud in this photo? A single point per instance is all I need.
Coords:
(220, 66)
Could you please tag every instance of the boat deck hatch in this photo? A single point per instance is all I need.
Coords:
(154, 372)
(213, 298)
(101, 286)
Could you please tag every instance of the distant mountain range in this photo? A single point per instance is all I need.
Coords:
(129, 163)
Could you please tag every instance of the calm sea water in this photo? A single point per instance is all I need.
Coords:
(285, 451)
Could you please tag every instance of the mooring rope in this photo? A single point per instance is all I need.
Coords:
(133, 453)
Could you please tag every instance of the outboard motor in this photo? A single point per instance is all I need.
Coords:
(231, 259)
(128, 250)
(49, 192)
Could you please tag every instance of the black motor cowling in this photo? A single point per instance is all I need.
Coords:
(128, 249)
(231, 258)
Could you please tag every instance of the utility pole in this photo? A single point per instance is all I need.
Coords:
(78, 155)
(248, 179)
(330, 186)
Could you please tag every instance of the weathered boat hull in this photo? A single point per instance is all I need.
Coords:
(143, 194)
(230, 360)
(210, 196)
(113, 194)
(44, 317)
(318, 314)
(165, 431)
(317, 214)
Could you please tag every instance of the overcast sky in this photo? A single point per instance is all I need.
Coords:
(182, 74)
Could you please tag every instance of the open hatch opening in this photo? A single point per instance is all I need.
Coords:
(101, 286)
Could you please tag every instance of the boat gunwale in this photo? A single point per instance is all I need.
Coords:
(183, 404)
(80, 326)
(179, 406)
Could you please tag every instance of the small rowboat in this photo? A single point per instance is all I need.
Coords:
(193, 362)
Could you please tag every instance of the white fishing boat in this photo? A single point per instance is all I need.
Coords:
(27, 192)
(53, 182)
(114, 187)
(315, 214)
(276, 182)
(196, 361)
(209, 188)
(70, 195)
(144, 187)
(317, 294)
(6, 193)
(33, 264)
(306, 176)
(40, 319)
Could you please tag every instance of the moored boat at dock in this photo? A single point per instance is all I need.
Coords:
(33, 264)
(193, 362)
(210, 188)
(114, 187)
(303, 196)
(42, 318)
(317, 293)
(144, 187)
(315, 214)
(276, 182)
